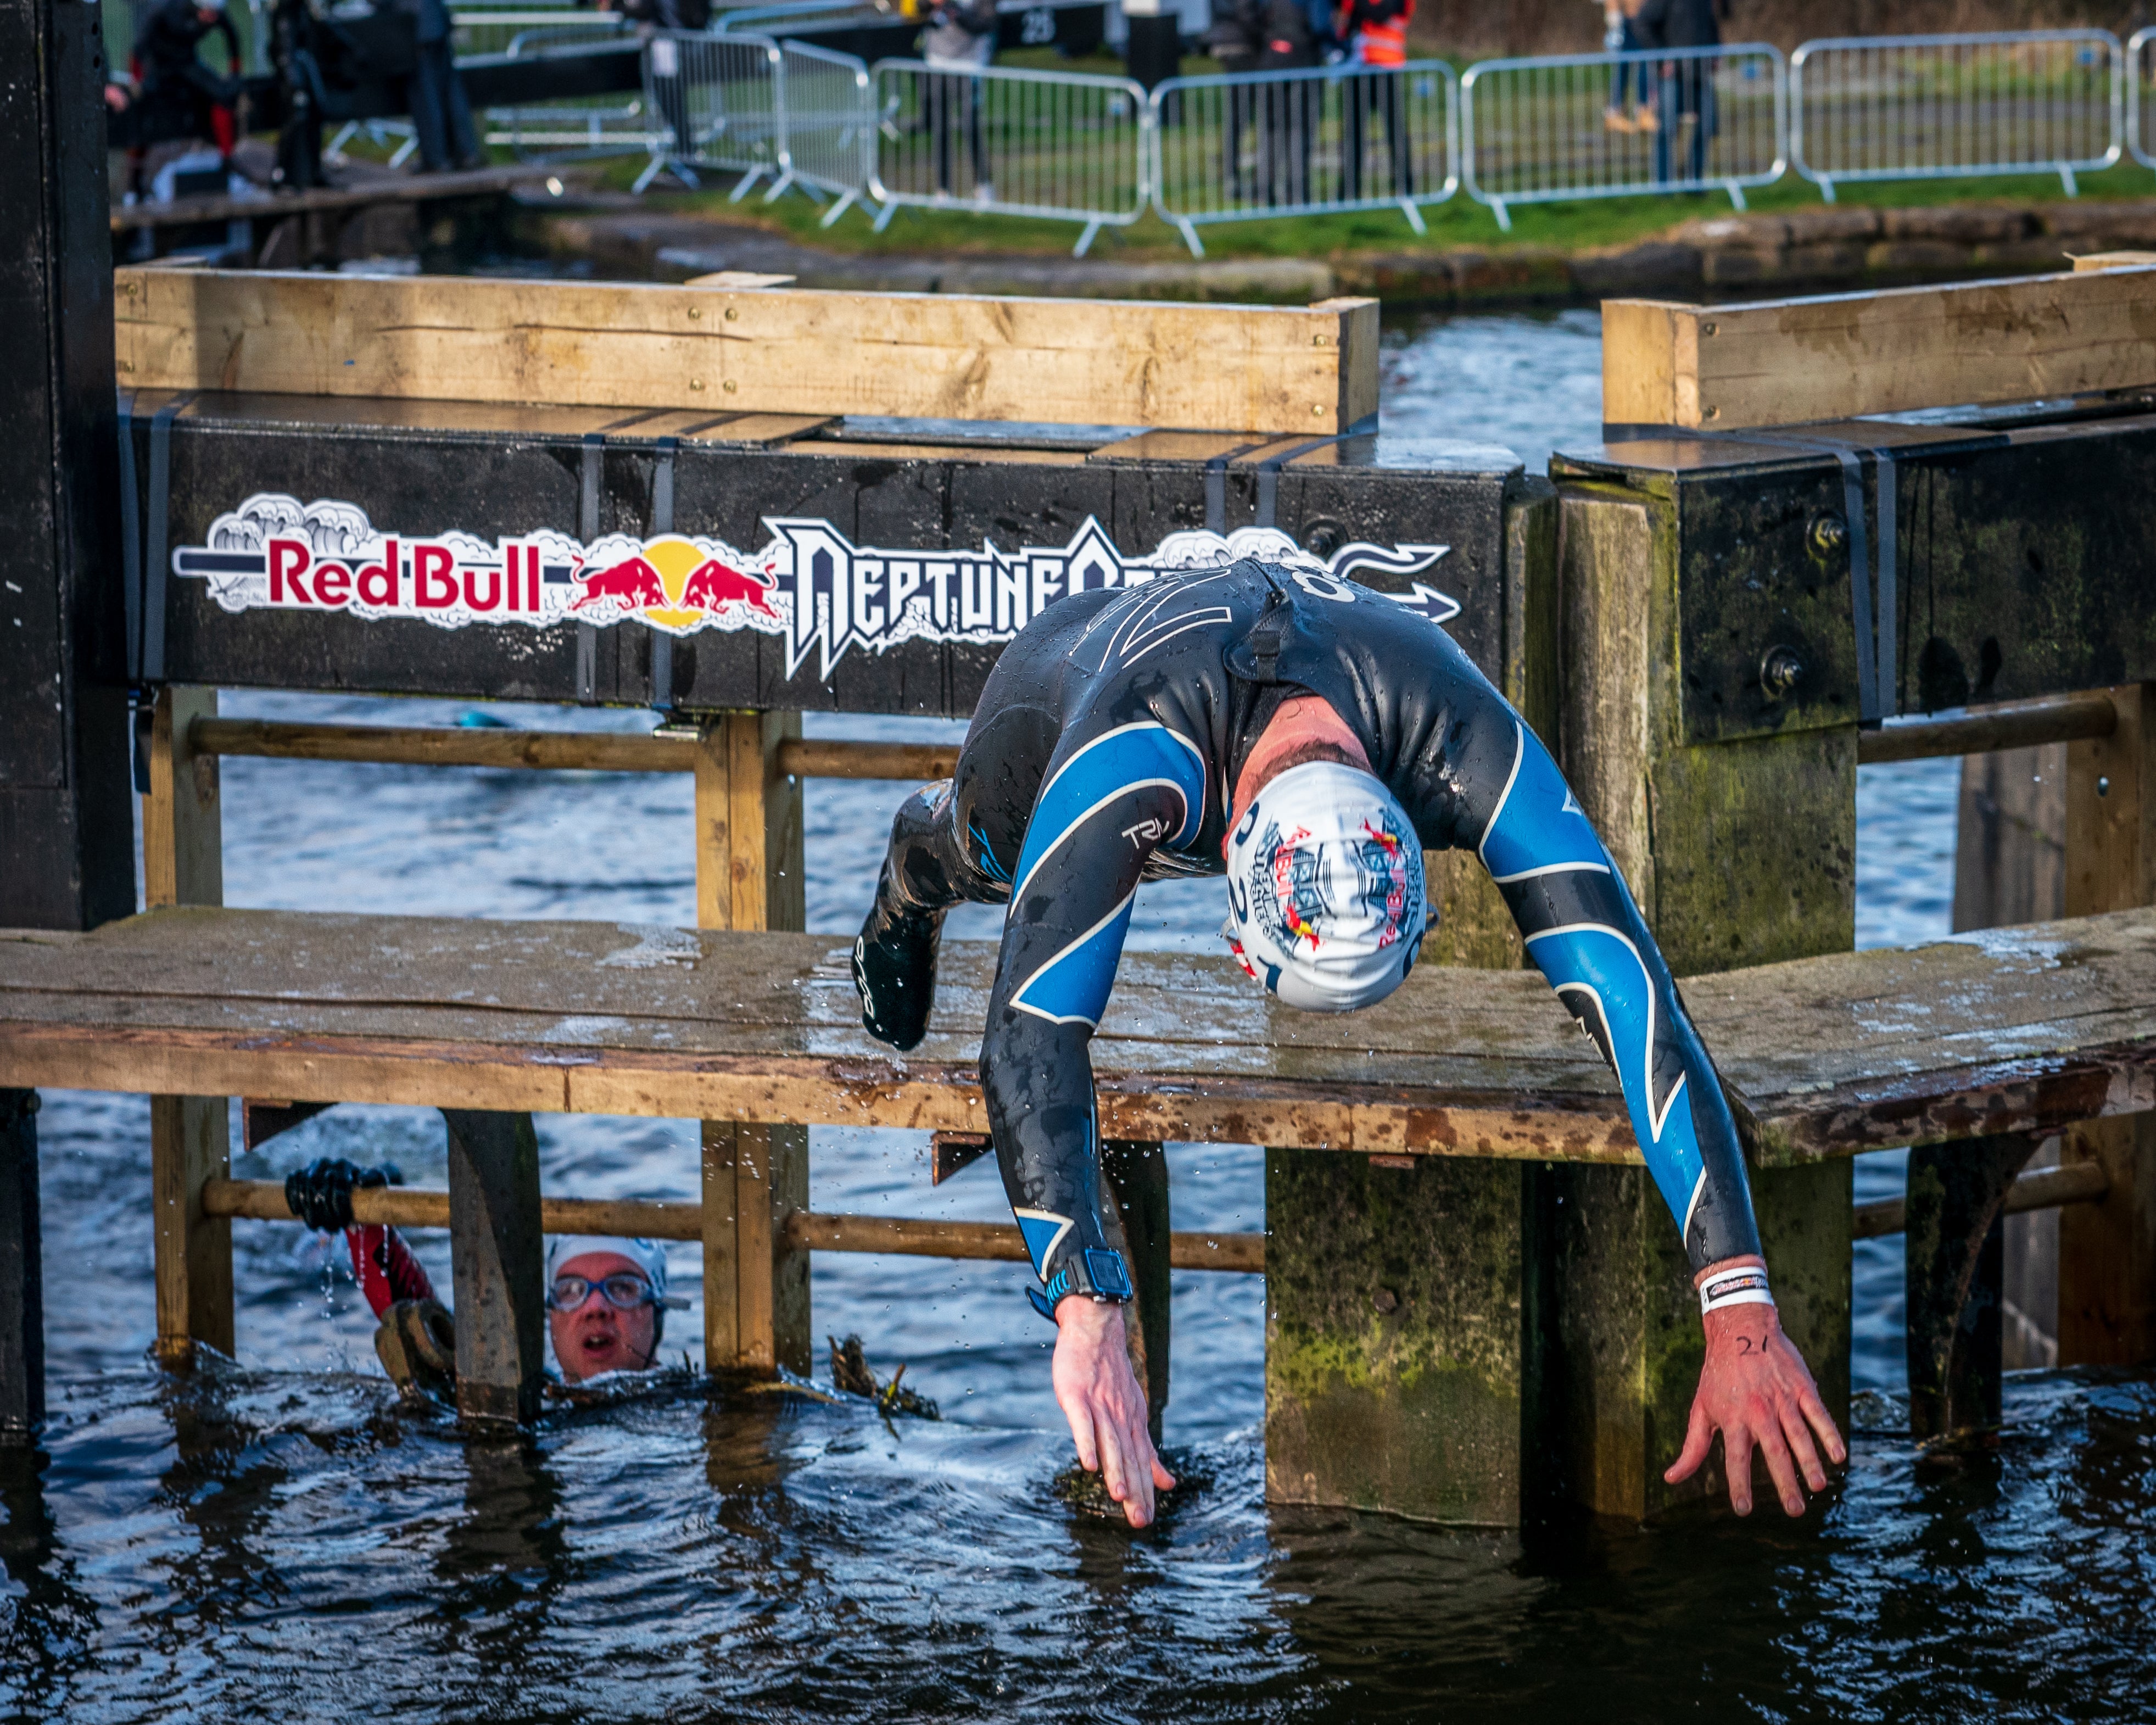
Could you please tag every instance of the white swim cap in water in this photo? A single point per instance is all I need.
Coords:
(1325, 888)
(647, 1255)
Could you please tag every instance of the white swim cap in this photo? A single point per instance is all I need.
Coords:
(1325, 889)
(647, 1255)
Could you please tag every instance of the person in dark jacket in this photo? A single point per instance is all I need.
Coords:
(177, 94)
(960, 34)
(1685, 87)
(658, 21)
(441, 112)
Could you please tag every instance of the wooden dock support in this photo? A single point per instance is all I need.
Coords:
(190, 1137)
(2108, 1249)
(497, 1265)
(1955, 1247)
(22, 1277)
(1740, 849)
(1392, 1334)
(1137, 1175)
(749, 875)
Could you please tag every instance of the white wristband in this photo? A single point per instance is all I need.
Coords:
(1734, 1288)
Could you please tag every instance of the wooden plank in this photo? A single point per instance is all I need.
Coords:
(925, 356)
(1837, 356)
(2108, 1249)
(190, 1144)
(497, 1262)
(401, 188)
(182, 820)
(2015, 725)
(2039, 1189)
(410, 1207)
(190, 1133)
(548, 751)
(2048, 1023)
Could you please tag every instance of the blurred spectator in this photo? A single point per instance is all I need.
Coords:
(1684, 88)
(441, 112)
(177, 95)
(655, 21)
(1377, 35)
(1619, 36)
(960, 34)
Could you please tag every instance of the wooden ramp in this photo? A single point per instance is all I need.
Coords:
(2012, 1030)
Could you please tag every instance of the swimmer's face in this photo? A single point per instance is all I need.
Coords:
(597, 1336)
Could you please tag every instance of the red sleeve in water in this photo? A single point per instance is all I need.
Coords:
(388, 1271)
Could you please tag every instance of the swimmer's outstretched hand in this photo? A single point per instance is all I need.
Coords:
(1755, 1391)
(1100, 1396)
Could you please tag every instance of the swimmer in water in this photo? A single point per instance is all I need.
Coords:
(605, 1298)
(1311, 738)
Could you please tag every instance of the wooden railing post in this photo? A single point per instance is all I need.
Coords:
(497, 1265)
(183, 864)
(2108, 1249)
(749, 868)
(21, 1281)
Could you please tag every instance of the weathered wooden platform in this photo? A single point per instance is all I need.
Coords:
(2016, 1031)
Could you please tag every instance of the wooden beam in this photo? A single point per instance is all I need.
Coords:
(750, 871)
(2016, 724)
(1783, 362)
(922, 355)
(410, 1207)
(22, 1273)
(2108, 1249)
(497, 1265)
(552, 751)
(190, 1135)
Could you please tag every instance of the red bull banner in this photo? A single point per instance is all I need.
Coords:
(807, 585)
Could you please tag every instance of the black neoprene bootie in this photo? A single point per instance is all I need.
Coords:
(894, 974)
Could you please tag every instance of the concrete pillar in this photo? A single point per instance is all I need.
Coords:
(497, 1266)
(749, 876)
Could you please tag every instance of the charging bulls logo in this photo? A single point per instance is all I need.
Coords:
(672, 583)
(810, 586)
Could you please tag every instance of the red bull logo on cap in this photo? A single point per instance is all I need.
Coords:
(810, 586)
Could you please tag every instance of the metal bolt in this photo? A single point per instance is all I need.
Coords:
(1711, 413)
(728, 385)
(695, 311)
(1779, 672)
(1316, 410)
(696, 382)
(1707, 329)
(731, 313)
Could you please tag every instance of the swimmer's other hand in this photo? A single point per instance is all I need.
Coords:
(320, 1194)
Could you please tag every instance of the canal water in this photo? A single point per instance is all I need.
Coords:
(279, 1539)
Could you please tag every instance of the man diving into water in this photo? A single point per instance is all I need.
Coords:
(1316, 738)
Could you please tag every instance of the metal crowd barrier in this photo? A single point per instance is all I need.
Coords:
(1058, 145)
(757, 20)
(1936, 107)
(477, 27)
(593, 126)
(714, 101)
(1242, 145)
(828, 134)
(2135, 74)
(1620, 125)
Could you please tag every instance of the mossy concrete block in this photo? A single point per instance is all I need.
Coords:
(1393, 1336)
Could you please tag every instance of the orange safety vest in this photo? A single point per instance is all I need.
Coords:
(1385, 44)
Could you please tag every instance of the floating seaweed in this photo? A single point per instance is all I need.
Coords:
(850, 1373)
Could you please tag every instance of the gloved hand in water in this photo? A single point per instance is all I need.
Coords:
(417, 1344)
(321, 1194)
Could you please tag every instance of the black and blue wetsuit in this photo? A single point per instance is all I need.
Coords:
(1103, 753)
